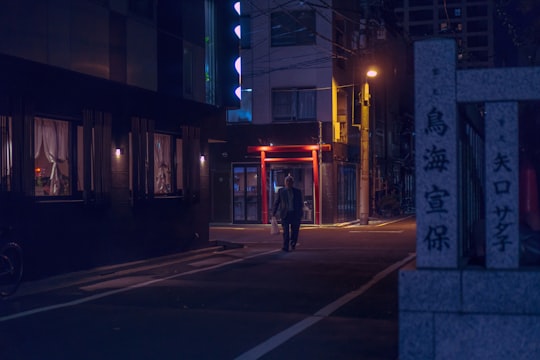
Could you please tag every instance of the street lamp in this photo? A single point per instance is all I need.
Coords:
(364, 149)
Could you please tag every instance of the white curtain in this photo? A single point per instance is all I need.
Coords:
(307, 104)
(52, 137)
(6, 161)
(162, 164)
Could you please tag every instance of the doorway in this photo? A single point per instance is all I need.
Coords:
(246, 194)
(303, 180)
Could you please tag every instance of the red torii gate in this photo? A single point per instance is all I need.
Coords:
(264, 150)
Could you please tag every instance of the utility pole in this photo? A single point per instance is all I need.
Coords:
(364, 125)
(364, 154)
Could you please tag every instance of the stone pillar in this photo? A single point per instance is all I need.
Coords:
(436, 154)
(449, 310)
(502, 185)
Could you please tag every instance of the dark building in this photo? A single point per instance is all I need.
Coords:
(469, 22)
(106, 111)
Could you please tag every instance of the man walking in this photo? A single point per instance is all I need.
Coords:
(290, 204)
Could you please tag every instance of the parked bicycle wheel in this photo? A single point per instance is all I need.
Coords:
(11, 268)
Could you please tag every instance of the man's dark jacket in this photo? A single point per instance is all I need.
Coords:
(282, 203)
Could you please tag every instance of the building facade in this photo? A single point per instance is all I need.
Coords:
(106, 111)
(470, 22)
(303, 67)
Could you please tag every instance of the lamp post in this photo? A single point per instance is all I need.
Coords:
(364, 149)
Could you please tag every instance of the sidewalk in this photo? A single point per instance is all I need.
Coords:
(371, 221)
(103, 272)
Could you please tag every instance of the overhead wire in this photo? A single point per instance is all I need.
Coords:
(308, 63)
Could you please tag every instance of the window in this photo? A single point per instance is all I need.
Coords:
(167, 165)
(289, 28)
(294, 104)
(6, 160)
(477, 11)
(443, 27)
(156, 161)
(421, 15)
(421, 30)
(59, 159)
(477, 26)
(52, 160)
(445, 13)
(162, 164)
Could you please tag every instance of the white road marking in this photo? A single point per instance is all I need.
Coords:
(228, 228)
(395, 221)
(280, 338)
(377, 231)
(123, 289)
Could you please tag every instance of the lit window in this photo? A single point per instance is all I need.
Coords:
(6, 160)
(162, 164)
(443, 27)
(156, 167)
(52, 165)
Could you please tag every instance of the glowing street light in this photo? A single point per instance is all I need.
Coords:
(371, 73)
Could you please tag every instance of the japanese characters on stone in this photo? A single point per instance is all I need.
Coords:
(502, 239)
(436, 155)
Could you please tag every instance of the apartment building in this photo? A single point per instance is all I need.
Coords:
(470, 22)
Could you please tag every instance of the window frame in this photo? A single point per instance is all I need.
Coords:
(174, 141)
(296, 104)
(6, 153)
(71, 158)
(148, 184)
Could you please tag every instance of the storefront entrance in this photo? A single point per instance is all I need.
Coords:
(246, 203)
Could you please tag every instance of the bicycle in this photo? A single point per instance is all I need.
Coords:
(11, 263)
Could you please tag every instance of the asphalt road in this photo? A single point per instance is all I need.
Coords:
(335, 297)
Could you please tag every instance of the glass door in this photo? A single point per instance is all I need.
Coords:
(303, 180)
(346, 193)
(246, 194)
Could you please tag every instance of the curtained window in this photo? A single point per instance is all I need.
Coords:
(162, 164)
(6, 159)
(156, 165)
(51, 157)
